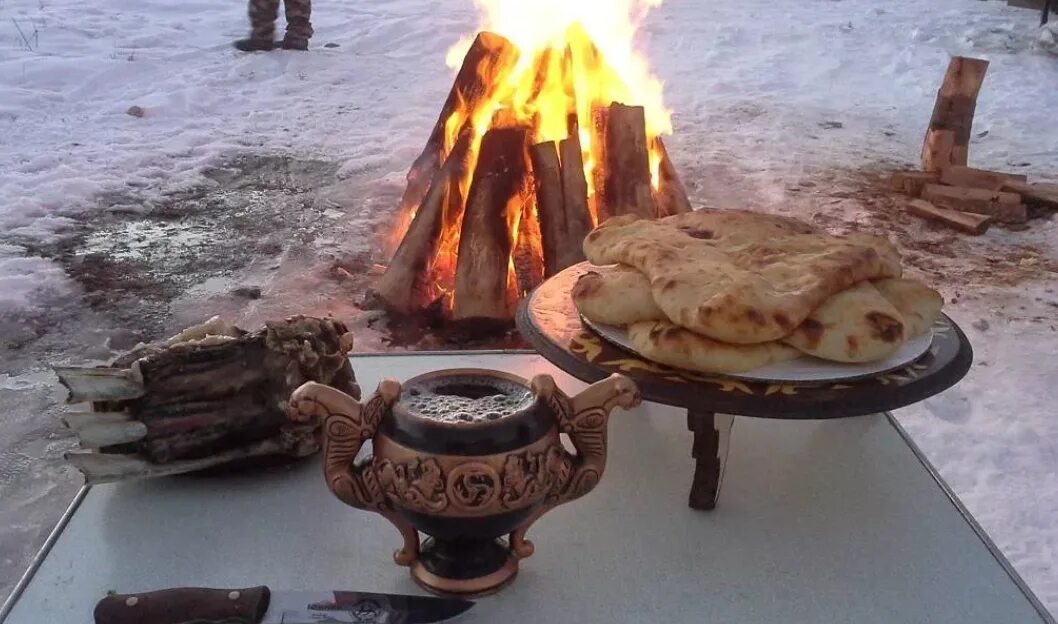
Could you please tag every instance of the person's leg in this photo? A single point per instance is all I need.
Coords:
(263, 14)
(299, 26)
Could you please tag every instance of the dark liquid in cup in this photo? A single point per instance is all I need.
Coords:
(465, 399)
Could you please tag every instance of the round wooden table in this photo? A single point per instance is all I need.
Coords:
(548, 320)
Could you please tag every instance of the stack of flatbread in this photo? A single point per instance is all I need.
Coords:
(730, 291)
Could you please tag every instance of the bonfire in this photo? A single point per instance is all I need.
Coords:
(553, 124)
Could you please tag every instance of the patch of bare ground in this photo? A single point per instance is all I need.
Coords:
(860, 199)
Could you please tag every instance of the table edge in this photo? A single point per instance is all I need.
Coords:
(42, 554)
(978, 530)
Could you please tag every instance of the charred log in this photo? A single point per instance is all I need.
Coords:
(409, 282)
(626, 188)
(574, 196)
(550, 204)
(485, 66)
(485, 244)
(671, 197)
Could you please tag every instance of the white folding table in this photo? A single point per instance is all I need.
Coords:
(822, 522)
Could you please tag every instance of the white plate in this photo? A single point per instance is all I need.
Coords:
(803, 369)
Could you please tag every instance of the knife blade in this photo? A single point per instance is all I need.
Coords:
(259, 605)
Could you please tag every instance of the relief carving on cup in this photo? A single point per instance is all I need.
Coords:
(474, 486)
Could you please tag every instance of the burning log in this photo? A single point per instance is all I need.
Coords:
(574, 194)
(471, 227)
(550, 205)
(671, 196)
(485, 243)
(528, 252)
(562, 203)
(485, 67)
(408, 283)
(600, 119)
(626, 185)
(954, 113)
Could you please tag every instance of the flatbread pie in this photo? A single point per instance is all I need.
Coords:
(615, 295)
(663, 342)
(917, 303)
(858, 324)
(855, 325)
(739, 277)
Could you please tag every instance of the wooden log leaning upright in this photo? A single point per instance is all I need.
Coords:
(626, 187)
(406, 286)
(671, 197)
(485, 244)
(550, 204)
(575, 197)
(600, 119)
(562, 202)
(954, 113)
(486, 64)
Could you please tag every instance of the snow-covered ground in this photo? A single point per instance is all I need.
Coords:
(779, 104)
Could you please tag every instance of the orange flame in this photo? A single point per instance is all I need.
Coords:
(576, 55)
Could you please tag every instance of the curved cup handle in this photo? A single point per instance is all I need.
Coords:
(584, 418)
(346, 424)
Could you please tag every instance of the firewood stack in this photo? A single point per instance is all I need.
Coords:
(527, 203)
(949, 191)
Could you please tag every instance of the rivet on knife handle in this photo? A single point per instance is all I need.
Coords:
(194, 604)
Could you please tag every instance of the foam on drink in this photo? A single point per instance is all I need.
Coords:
(465, 399)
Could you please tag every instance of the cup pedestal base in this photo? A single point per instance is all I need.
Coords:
(464, 568)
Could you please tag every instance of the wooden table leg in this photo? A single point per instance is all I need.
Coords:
(712, 437)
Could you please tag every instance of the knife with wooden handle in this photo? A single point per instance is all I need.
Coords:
(259, 605)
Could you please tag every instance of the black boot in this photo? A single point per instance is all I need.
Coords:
(255, 45)
(292, 43)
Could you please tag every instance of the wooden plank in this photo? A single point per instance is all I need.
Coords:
(912, 182)
(1039, 195)
(1005, 207)
(958, 175)
(963, 221)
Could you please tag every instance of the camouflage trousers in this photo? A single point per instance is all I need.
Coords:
(263, 14)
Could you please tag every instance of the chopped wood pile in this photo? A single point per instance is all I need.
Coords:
(947, 189)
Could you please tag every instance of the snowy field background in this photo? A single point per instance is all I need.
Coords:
(778, 104)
